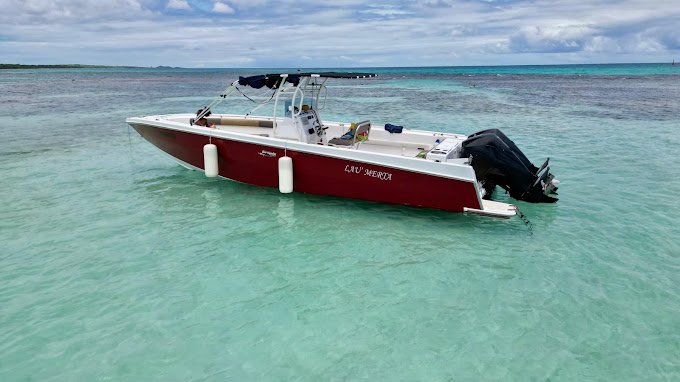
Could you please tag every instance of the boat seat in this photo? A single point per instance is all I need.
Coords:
(350, 138)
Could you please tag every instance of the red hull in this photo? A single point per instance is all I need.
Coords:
(317, 174)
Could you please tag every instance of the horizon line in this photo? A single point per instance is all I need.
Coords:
(69, 66)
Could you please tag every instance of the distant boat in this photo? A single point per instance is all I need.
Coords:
(673, 64)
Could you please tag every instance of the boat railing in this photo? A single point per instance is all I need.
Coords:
(308, 85)
(217, 100)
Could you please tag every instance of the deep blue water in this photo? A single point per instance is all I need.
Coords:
(118, 264)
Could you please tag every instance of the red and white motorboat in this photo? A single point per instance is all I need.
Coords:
(298, 151)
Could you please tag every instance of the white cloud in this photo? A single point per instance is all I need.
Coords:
(602, 44)
(178, 4)
(249, 3)
(557, 38)
(223, 8)
(344, 33)
(40, 11)
(386, 11)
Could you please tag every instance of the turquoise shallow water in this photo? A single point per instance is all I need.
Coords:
(117, 264)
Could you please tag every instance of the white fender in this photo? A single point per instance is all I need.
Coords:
(210, 160)
(285, 175)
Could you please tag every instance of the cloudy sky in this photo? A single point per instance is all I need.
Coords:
(341, 33)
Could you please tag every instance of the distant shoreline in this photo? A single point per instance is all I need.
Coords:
(61, 66)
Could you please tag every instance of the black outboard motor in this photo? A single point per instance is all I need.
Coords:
(497, 161)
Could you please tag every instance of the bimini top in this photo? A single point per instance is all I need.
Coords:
(274, 80)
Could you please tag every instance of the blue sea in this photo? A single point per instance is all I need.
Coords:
(118, 264)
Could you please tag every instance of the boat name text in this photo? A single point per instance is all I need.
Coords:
(368, 172)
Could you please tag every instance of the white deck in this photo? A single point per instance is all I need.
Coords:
(409, 143)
